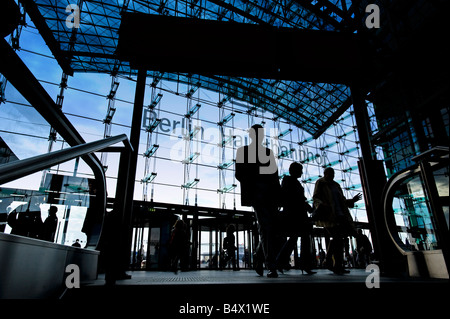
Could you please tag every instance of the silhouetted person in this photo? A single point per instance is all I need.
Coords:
(321, 257)
(17, 222)
(4, 219)
(295, 219)
(178, 245)
(21, 222)
(330, 200)
(35, 226)
(50, 224)
(94, 216)
(229, 246)
(76, 243)
(257, 172)
(364, 248)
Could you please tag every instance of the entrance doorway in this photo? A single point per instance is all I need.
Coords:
(206, 228)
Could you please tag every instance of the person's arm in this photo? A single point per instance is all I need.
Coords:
(351, 202)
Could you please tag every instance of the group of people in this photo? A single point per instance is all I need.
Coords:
(257, 172)
(30, 224)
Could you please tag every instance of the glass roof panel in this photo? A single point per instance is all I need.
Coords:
(91, 48)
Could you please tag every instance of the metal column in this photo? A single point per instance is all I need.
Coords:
(442, 230)
(362, 122)
(123, 205)
(373, 180)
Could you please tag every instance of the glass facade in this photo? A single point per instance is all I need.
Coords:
(187, 143)
(193, 124)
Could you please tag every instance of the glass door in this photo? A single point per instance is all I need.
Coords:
(154, 245)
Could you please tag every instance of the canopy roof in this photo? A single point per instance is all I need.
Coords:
(92, 47)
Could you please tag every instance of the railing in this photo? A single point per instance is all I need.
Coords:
(17, 169)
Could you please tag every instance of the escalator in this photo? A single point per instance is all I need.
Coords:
(416, 211)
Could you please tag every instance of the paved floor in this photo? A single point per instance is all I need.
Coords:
(235, 294)
(224, 277)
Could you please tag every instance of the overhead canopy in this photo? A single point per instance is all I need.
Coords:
(310, 92)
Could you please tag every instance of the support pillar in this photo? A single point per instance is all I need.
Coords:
(196, 241)
(362, 122)
(135, 135)
(441, 228)
(373, 180)
(123, 205)
(114, 233)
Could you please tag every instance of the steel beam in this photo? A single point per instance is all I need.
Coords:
(362, 122)
(241, 50)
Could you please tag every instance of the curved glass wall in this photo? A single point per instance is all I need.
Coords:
(414, 225)
(413, 216)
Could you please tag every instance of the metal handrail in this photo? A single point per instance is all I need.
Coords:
(17, 169)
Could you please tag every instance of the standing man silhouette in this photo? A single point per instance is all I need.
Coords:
(257, 172)
(50, 225)
(328, 196)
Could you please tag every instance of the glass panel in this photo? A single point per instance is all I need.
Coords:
(241, 244)
(59, 211)
(205, 254)
(413, 216)
(139, 244)
(154, 246)
(441, 178)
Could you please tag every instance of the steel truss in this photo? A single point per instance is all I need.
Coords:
(92, 47)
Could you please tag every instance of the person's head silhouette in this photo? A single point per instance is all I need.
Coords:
(296, 170)
(53, 210)
(256, 133)
(328, 174)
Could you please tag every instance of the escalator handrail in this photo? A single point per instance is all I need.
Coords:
(17, 169)
(387, 204)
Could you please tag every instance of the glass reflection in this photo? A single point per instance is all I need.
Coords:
(442, 184)
(58, 212)
(413, 216)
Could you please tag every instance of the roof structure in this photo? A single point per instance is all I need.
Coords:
(92, 47)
